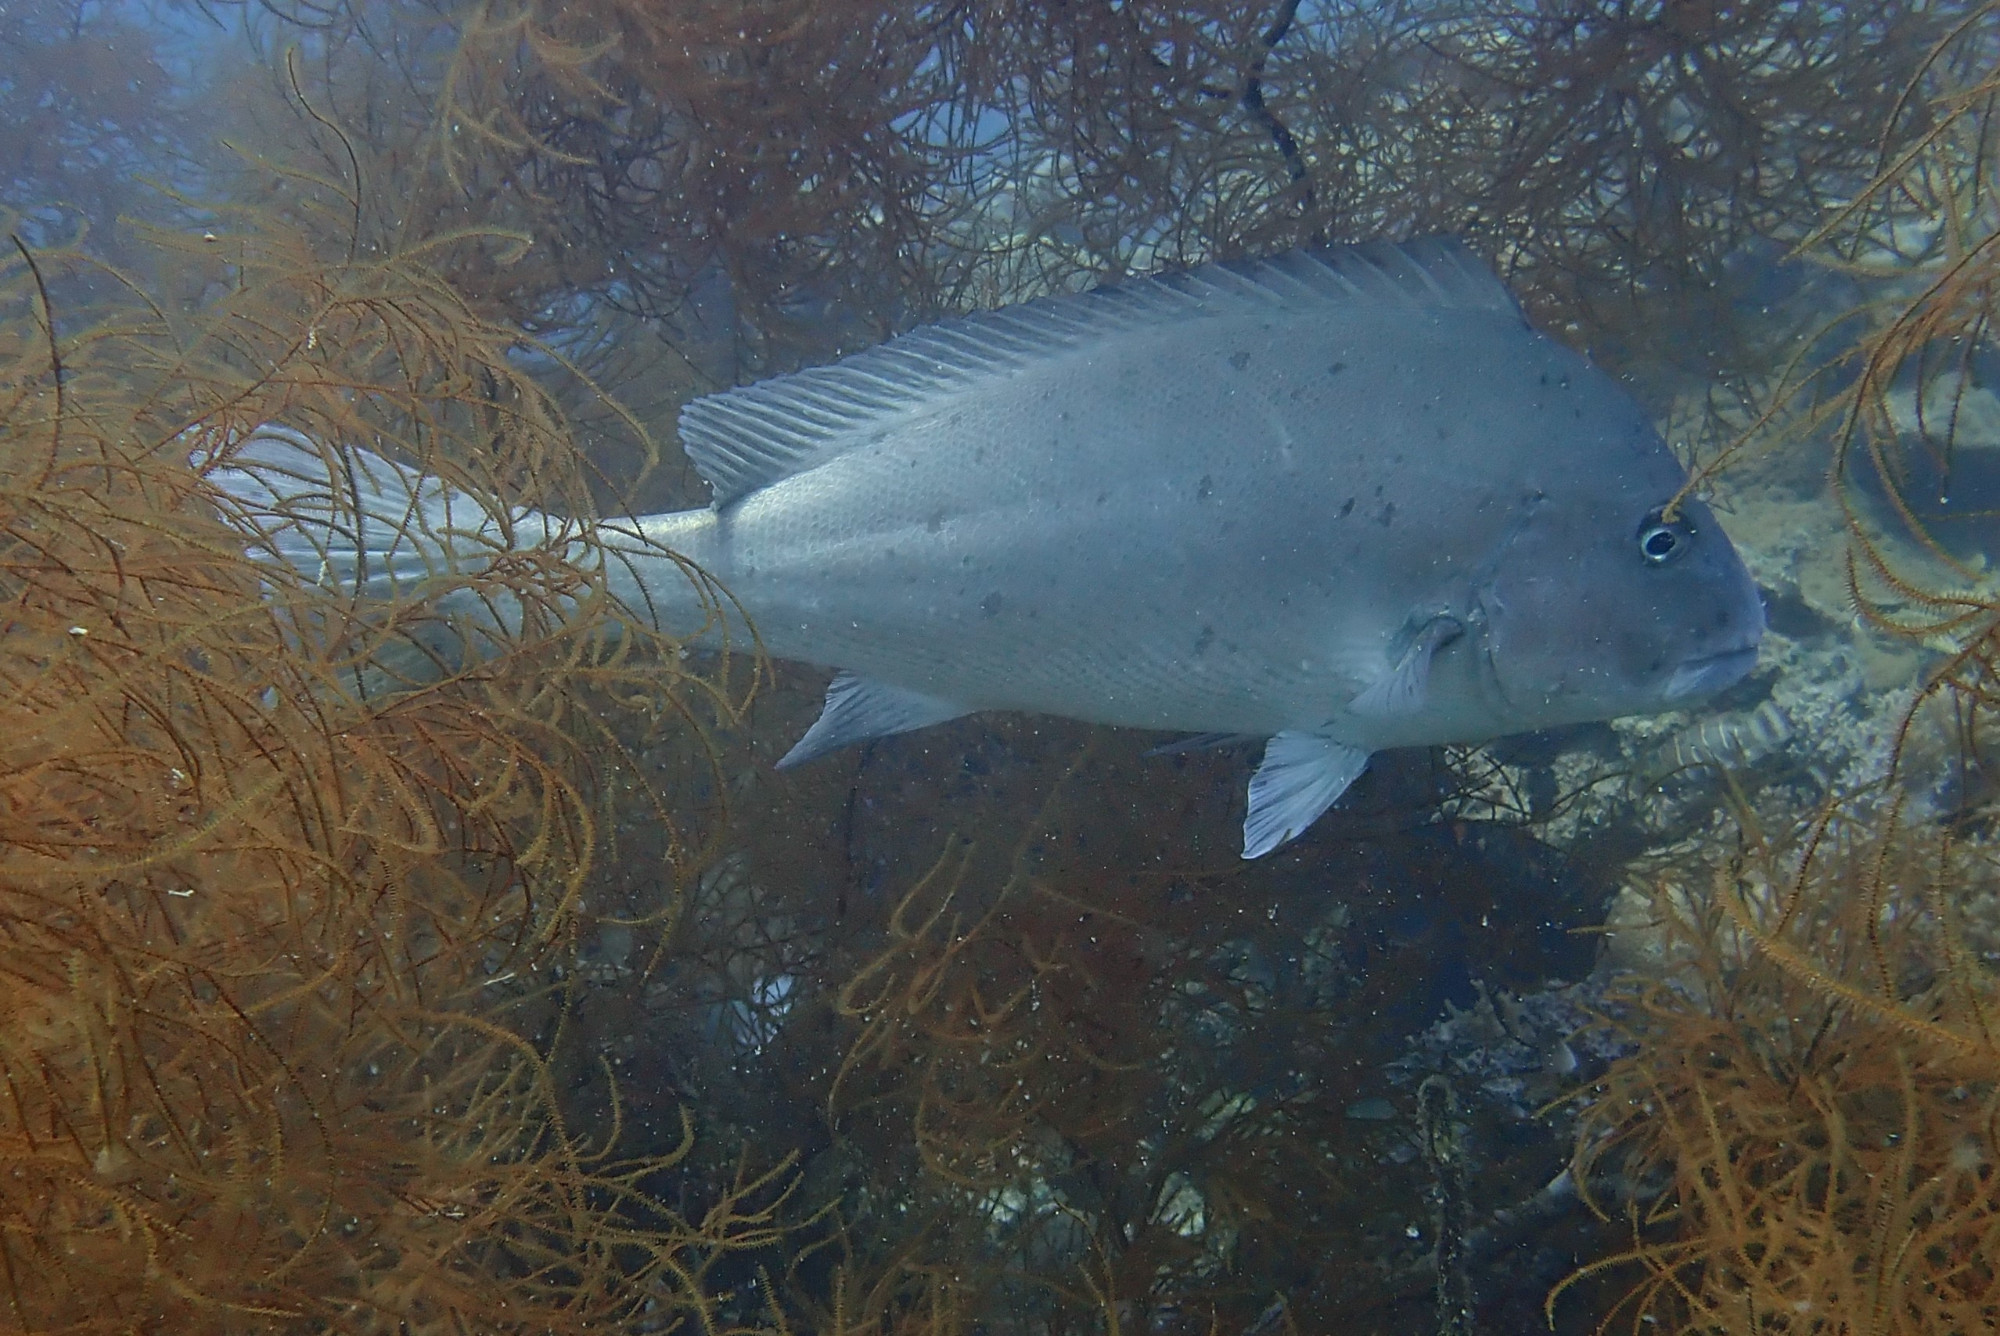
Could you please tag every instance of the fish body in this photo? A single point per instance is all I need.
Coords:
(1221, 521)
(1345, 499)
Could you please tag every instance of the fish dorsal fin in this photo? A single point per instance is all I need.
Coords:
(744, 439)
(1435, 273)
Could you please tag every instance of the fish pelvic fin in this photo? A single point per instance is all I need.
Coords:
(1302, 775)
(858, 708)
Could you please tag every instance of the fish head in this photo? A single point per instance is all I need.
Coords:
(1616, 597)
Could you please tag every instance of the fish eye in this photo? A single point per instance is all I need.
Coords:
(1661, 540)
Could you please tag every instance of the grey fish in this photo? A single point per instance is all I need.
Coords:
(1343, 499)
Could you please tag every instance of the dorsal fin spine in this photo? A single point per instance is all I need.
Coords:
(774, 425)
(804, 407)
(832, 409)
(869, 392)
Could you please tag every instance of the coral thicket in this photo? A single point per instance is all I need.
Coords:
(279, 1016)
(449, 956)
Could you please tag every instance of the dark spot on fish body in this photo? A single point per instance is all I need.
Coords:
(1103, 497)
(1347, 508)
(1238, 360)
(1205, 489)
(991, 604)
(1388, 515)
(1204, 640)
(1336, 368)
(935, 523)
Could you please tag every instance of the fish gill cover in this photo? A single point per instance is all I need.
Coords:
(455, 960)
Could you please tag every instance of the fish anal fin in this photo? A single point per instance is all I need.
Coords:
(1302, 775)
(858, 708)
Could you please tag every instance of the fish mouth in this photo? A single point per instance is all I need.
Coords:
(1711, 673)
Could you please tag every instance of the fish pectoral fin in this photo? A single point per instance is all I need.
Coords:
(859, 708)
(1404, 688)
(1302, 775)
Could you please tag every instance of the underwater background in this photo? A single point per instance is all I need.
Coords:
(368, 964)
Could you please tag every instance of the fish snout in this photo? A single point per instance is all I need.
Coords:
(1740, 631)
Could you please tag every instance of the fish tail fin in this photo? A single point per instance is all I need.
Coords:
(352, 521)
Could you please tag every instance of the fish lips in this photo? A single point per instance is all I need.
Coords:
(1710, 673)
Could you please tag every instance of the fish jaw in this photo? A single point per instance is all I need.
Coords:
(1709, 674)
